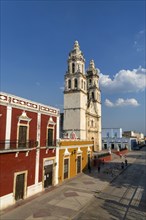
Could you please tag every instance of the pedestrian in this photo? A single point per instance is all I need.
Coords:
(89, 168)
(98, 168)
(122, 165)
(126, 162)
(94, 160)
(103, 161)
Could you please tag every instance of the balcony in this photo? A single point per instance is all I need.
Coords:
(15, 145)
(51, 143)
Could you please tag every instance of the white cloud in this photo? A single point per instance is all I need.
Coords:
(120, 102)
(124, 81)
(108, 103)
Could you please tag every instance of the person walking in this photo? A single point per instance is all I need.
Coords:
(103, 162)
(126, 162)
(98, 168)
(89, 168)
(122, 165)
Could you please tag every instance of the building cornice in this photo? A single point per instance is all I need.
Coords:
(16, 101)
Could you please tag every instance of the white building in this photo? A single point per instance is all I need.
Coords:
(112, 139)
(82, 101)
(133, 134)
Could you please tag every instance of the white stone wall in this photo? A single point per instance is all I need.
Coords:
(113, 132)
(71, 100)
(75, 113)
(71, 119)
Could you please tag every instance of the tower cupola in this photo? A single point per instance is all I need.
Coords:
(76, 61)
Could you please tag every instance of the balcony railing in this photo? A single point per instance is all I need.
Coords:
(8, 144)
(51, 143)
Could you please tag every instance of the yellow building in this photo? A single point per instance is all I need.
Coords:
(74, 157)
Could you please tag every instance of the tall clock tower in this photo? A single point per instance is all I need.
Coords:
(75, 94)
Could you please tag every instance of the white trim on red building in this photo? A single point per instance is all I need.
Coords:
(25, 161)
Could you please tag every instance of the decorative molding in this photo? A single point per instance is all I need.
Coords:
(51, 122)
(20, 102)
(3, 97)
(67, 153)
(89, 150)
(24, 117)
(27, 153)
(16, 155)
(79, 151)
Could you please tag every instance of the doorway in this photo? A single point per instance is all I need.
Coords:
(48, 174)
(78, 164)
(105, 146)
(112, 146)
(19, 187)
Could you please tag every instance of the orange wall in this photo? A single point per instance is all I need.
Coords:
(73, 162)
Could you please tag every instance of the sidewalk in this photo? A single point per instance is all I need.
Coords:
(64, 201)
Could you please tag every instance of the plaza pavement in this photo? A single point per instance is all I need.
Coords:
(66, 200)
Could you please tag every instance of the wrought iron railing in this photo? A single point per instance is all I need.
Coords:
(15, 144)
(51, 143)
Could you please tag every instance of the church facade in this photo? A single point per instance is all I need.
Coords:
(82, 99)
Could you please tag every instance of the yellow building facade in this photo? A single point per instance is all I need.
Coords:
(74, 157)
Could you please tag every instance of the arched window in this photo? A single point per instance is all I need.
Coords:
(75, 83)
(69, 84)
(90, 81)
(73, 67)
(92, 123)
(82, 83)
(84, 86)
(93, 95)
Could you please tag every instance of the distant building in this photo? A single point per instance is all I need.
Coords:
(28, 153)
(133, 134)
(112, 139)
(82, 99)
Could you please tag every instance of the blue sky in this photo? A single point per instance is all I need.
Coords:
(36, 37)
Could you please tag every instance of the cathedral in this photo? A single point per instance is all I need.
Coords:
(82, 99)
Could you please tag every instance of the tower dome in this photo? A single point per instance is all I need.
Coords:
(76, 61)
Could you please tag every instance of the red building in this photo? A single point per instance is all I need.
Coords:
(28, 159)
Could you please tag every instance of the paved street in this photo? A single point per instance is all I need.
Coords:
(92, 196)
(125, 198)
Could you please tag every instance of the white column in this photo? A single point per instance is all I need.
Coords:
(8, 126)
(38, 150)
(58, 127)
(57, 150)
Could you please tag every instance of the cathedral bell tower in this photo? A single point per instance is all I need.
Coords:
(75, 94)
(93, 106)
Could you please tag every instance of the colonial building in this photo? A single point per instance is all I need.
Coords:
(82, 99)
(75, 156)
(133, 134)
(28, 153)
(113, 139)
